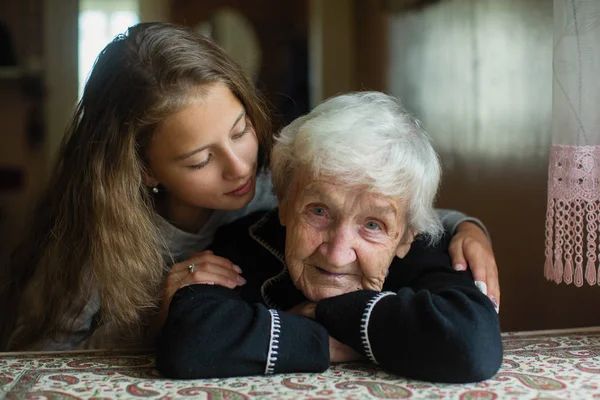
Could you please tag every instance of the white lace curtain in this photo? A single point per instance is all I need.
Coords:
(573, 211)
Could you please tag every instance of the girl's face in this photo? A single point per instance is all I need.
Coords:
(205, 155)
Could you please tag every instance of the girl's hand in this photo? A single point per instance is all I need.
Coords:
(471, 248)
(207, 269)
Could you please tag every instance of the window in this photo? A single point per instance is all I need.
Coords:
(99, 22)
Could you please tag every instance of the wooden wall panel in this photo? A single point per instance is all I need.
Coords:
(478, 73)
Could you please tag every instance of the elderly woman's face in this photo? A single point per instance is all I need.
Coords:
(340, 239)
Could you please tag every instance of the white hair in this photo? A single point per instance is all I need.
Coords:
(364, 138)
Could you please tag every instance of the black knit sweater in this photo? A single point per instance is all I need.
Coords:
(429, 322)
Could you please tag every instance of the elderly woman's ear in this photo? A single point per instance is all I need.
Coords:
(405, 243)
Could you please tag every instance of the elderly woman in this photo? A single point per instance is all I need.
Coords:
(355, 248)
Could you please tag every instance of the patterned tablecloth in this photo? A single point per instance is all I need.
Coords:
(542, 365)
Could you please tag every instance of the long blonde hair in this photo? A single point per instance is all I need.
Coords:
(94, 229)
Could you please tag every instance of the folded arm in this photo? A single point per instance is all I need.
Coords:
(434, 325)
(211, 332)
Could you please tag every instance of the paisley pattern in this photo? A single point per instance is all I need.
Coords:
(377, 389)
(296, 383)
(5, 380)
(212, 393)
(478, 395)
(137, 391)
(545, 365)
(68, 379)
(532, 381)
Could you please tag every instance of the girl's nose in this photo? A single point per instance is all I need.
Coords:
(235, 167)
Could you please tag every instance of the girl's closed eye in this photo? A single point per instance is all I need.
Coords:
(203, 163)
(242, 133)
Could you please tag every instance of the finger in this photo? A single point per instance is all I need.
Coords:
(456, 255)
(483, 268)
(216, 279)
(182, 266)
(476, 259)
(206, 257)
(207, 278)
(209, 257)
(186, 263)
(203, 273)
(176, 280)
(214, 269)
(478, 269)
(493, 285)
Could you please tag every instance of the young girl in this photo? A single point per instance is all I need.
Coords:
(168, 142)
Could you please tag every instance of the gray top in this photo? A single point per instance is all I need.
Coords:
(180, 244)
(78, 331)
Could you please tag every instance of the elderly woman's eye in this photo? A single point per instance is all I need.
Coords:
(373, 226)
(318, 211)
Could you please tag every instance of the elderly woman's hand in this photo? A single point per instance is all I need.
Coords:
(338, 351)
(470, 247)
(306, 309)
(203, 268)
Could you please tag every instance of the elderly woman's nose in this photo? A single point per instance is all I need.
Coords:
(339, 249)
(236, 167)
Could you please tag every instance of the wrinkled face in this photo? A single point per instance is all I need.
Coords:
(205, 155)
(340, 239)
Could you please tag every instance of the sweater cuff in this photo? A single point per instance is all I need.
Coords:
(297, 344)
(347, 318)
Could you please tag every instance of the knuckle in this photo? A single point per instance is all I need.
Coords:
(198, 275)
(471, 242)
(203, 265)
(456, 241)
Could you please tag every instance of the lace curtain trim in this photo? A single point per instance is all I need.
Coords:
(573, 215)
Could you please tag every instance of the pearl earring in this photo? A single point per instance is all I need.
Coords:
(155, 189)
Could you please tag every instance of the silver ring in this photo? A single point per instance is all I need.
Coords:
(191, 267)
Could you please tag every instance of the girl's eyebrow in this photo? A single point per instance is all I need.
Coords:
(199, 149)
(191, 153)
(238, 119)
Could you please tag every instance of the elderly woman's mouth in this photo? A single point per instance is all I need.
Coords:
(328, 274)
